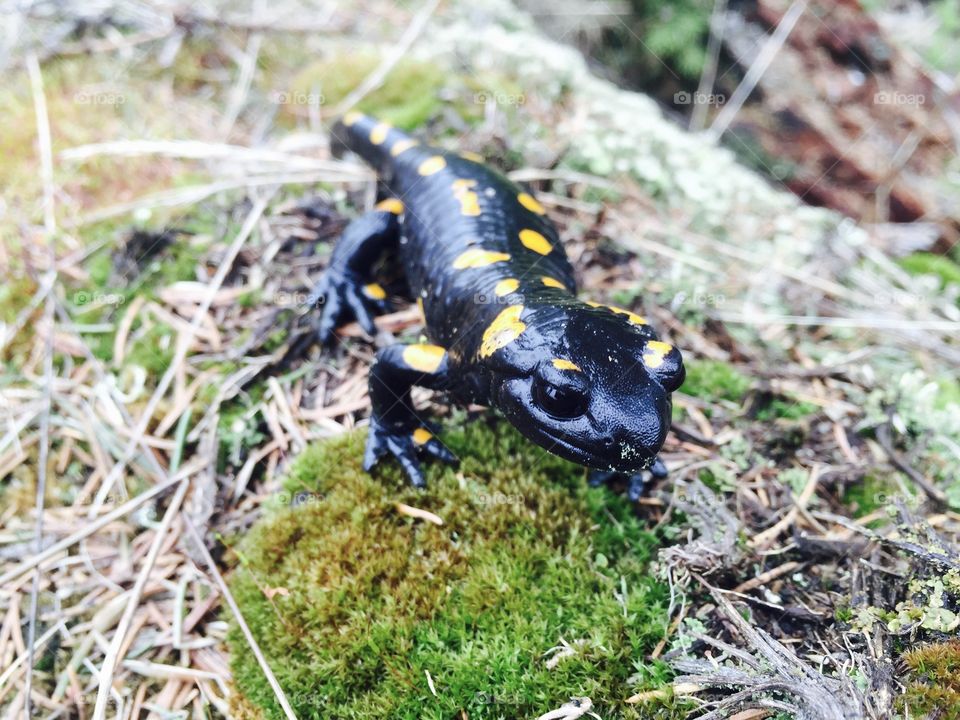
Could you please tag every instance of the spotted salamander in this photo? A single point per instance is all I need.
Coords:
(586, 381)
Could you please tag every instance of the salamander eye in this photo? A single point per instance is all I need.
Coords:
(560, 402)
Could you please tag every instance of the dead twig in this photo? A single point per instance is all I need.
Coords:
(771, 675)
(884, 437)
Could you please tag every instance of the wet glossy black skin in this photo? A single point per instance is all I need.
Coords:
(613, 411)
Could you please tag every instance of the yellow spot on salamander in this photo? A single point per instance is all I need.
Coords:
(654, 353)
(631, 316)
(562, 364)
(421, 436)
(530, 203)
(532, 240)
(431, 165)
(477, 258)
(467, 155)
(469, 204)
(401, 146)
(379, 133)
(375, 291)
(505, 287)
(391, 205)
(552, 282)
(424, 358)
(423, 314)
(352, 118)
(504, 329)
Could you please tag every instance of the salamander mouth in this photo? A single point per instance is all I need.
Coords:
(575, 452)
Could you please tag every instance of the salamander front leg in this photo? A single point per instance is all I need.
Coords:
(394, 425)
(636, 483)
(346, 289)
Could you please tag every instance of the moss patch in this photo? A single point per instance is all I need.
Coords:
(354, 602)
(931, 264)
(871, 493)
(714, 380)
(785, 409)
(934, 681)
(407, 97)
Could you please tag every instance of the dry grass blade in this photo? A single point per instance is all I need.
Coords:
(758, 68)
(216, 152)
(198, 193)
(46, 164)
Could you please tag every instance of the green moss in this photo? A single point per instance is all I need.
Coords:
(528, 557)
(661, 39)
(714, 380)
(250, 298)
(948, 393)
(407, 97)
(675, 30)
(843, 612)
(153, 350)
(934, 681)
(931, 264)
(240, 427)
(16, 293)
(871, 493)
(785, 409)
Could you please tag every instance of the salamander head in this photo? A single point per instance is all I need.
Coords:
(589, 385)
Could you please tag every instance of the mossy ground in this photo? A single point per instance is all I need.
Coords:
(406, 98)
(934, 681)
(714, 380)
(940, 266)
(528, 557)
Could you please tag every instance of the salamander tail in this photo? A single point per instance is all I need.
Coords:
(376, 142)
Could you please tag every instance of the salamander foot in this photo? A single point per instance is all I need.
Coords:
(405, 444)
(636, 483)
(341, 295)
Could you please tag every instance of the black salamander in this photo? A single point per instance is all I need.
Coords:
(585, 381)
